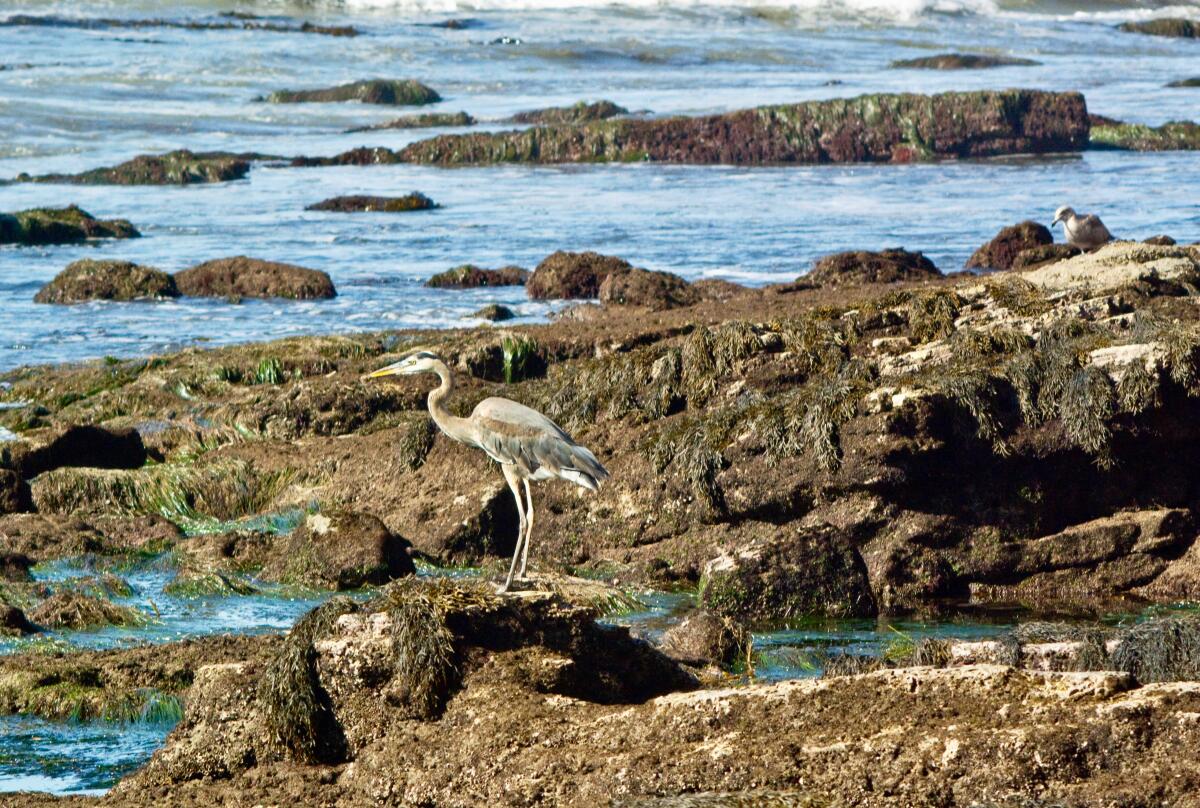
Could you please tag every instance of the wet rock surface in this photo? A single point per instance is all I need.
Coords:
(241, 276)
(469, 276)
(962, 61)
(230, 21)
(1167, 26)
(874, 128)
(174, 168)
(391, 92)
(341, 550)
(67, 225)
(643, 287)
(1002, 251)
(1172, 136)
(90, 279)
(376, 204)
(425, 120)
(495, 313)
(887, 266)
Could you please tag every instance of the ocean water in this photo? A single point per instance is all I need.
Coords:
(72, 99)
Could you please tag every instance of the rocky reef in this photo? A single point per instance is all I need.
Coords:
(469, 276)
(240, 277)
(581, 112)
(180, 167)
(375, 204)
(230, 21)
(1166, 26)
(1004, 248)
(90, 279)
(870, 128)
(962, 61)
(69, 225)
(1172, 136)
(425, 120)
(389, 92)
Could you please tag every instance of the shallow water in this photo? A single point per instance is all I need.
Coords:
(95, 97)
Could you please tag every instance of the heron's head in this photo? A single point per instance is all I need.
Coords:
(415, 362)
(1062, 214)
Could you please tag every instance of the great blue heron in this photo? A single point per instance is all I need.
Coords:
(1086, 232)
(526, 444)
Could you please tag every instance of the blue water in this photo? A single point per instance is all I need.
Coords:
(95, 97)
(75, 99)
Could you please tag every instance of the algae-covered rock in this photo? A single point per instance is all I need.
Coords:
(341, 550)
(886, 266)
(580, 112)
(644, 287)
(871, 128)
(407, 92)
(376, 204)
(14, 493)
(706, 638)
(495, 313)
(13, 622)
(1161, 240)
(240, 277)
(67, 225)
(1169, 26)
(569, 276)
(424, 120)
(1034, 257)
(180, 167)
(90, 279)
(76, 610)
(78, 445)
(962, 61)
(469, 276)
(1002, 250)
(1192, 82)
(1171, 136)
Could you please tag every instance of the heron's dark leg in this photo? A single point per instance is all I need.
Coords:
(528, 527)
(511, 477)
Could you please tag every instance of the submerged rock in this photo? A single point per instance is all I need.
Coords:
(886, 266)
(89, 279)
(1192, 82)
(1172, 136)
(869, 128)
(376, 204)
(1170, 26)
(1034, 257)
(14, 493)
(581, 112)
(407, 92)
(180, 167)
(568, 275)
(706, 638)
(469, 276)
(962, 61)
(341, 550)
(495, 313)
(240, 277)
(1002, 250)
(425, 120)
(67, 225)
(643, 287)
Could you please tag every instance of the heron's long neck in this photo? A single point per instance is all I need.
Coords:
(457, 428)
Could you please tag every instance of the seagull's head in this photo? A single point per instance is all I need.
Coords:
(1062, 214)
(413, 363)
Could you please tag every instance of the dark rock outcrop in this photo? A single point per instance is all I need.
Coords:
(67, 225)
(391, 92)
(643, 287)
(1035, 257)
(78, 445)
(495, 313)
(341, 550)
(869, 128)
(469, 276)
(240, 277)
(376, 204)
(1171, 136)
(569, 276)
(962, 61)
(581, 112)
(180, 167)
(230, 21)
(1192, 82)
(886, 266)
(1002, 250)
(1170, 26)
(13, 622)
(705, 638)
(14, 493)
(89, 279)
(1161, 240)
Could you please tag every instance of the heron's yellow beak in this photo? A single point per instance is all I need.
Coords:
(390, 370)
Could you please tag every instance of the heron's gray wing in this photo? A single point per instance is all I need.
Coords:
(515, 434)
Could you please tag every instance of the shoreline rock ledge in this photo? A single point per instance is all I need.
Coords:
(880, 128)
